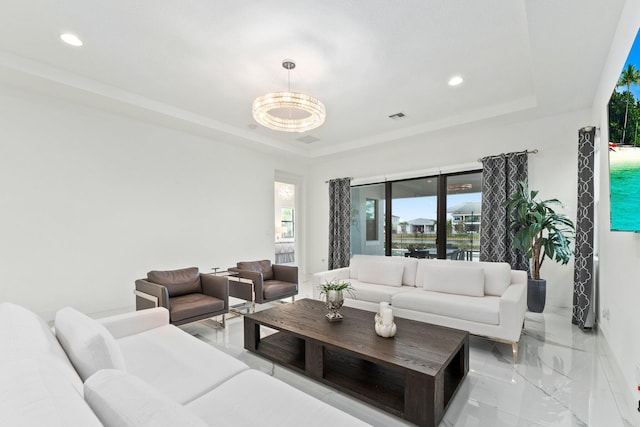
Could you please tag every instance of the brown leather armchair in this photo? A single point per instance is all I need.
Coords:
(188, 294)
(263, 282)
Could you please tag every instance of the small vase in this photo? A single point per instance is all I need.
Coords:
(335, 299)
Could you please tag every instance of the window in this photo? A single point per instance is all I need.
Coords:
(286, 221)
(368, 219)
(429, 217)
(371, 215)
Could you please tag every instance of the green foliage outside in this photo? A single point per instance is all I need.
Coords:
(624, 110)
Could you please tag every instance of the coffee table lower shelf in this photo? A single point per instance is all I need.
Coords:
(418, 398)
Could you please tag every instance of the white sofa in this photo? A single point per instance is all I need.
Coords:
(136, 370)
(484, 298)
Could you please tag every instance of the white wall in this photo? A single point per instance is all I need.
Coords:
(90, 201)
(619, 291)
(552, 171)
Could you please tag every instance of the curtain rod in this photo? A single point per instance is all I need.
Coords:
(535, 151)
(350, 177)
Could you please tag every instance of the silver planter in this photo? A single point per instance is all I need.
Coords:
(334, 302)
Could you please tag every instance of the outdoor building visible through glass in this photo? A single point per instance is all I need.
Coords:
(409, 226)
(624, 146)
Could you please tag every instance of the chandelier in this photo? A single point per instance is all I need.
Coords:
(288, 111)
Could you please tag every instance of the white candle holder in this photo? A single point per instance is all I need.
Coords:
(384, 324)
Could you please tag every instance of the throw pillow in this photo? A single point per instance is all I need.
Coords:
(497, 277)
(177, 282)
(88, 344)
(381, 273)
(454, 280)
(123, 400)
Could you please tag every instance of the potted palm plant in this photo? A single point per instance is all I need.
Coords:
(540, 232)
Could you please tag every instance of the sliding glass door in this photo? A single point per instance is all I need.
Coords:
(429, 217)
(414, 207)
(368, 220)
(464, 197)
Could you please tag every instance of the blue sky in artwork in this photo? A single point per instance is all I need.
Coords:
(634, 58)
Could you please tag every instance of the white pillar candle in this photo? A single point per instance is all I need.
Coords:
(383, 306)
(387, 317)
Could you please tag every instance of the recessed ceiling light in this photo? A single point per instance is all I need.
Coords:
(71, 39)
(455, 81)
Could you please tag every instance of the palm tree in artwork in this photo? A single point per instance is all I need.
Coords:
(629, 76)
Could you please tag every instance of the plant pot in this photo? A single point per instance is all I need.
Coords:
(335, 299)
(536, 295)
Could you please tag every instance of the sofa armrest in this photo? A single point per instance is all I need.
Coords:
(327, 276)
(285, 273)
(122, 325)
(513, 306)
(155, 290)
(519, 277)
(255, 277)
(216, 286)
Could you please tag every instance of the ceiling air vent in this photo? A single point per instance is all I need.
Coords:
(397, 116)
(307, 139)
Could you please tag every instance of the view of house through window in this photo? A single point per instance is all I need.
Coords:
(429, 217)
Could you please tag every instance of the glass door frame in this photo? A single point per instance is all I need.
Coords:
(441, 231)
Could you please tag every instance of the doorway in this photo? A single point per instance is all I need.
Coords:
(285, 222)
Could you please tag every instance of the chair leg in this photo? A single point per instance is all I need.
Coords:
(514, 347)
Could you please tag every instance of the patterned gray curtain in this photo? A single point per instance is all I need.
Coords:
(500, 176)
(339, 222)
(583, 266)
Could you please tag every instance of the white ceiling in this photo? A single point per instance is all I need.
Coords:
(199, 64)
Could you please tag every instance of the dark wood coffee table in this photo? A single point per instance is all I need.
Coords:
(413, 375)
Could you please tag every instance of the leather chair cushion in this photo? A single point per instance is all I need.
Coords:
(177, 282)
(278, 289)
(186, 306)
(263, 267)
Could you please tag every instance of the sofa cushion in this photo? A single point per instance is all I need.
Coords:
(263, 267)
(186, 306)
(36, 391)
(474, 309)
(454, 280)
(176, 364)
(24, 334)
(122, 400)
(375, 293)
(273, 289)
(497, 277)
(382, 273)
(408, 275)
(266, 401)
(177, 282)
(88, 344)
(357, 260)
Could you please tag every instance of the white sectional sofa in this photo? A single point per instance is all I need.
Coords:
(484, 298)
(136, 370)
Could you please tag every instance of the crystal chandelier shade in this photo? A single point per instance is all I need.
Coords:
(288, 111)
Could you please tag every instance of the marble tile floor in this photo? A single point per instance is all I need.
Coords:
(564, 377)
